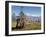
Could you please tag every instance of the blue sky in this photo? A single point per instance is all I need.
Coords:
(27, 10)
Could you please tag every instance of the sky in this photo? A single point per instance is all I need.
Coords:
(27, 10)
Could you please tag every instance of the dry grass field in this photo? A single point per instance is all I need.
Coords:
(30, 26)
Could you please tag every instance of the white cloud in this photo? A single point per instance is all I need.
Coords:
(36, 15)
(28, 14)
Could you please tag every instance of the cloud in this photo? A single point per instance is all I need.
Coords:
(29, 14)
(36, 15)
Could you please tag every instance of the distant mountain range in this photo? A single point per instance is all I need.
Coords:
(33, 18)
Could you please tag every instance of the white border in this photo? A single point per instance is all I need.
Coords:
(29, 31)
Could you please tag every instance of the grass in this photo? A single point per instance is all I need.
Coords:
(30, 26)
(14, 23)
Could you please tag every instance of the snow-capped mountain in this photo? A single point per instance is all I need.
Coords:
(33, 18)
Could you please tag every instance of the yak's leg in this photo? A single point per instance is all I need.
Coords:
(17, 25)
(21, 25)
